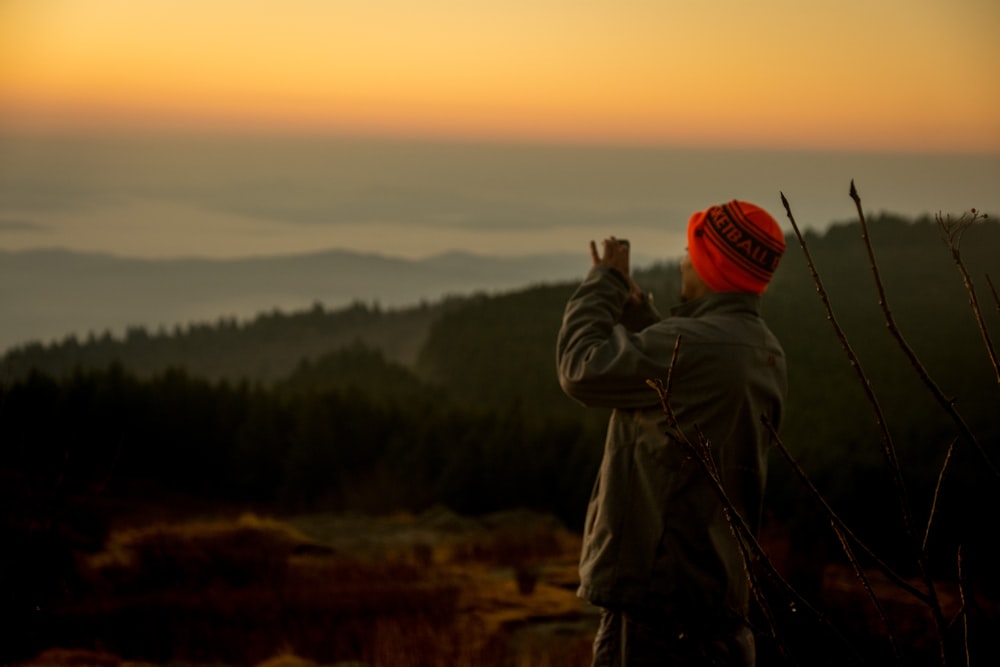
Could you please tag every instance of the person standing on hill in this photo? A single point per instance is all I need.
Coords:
(658, 556)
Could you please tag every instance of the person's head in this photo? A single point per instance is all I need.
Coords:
(732, 247)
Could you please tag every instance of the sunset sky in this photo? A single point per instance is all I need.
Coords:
(910, 75)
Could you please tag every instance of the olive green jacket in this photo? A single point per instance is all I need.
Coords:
(656, 537)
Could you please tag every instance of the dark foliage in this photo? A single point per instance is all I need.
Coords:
(458, 404)
(264, 350)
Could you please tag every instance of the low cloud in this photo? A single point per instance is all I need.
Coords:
(440, 208)
(22, 226)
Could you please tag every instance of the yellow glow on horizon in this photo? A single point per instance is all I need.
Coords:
(911, 75)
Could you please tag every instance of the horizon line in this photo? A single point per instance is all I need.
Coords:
(474, 139)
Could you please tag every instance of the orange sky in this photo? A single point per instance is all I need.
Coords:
(895, 74)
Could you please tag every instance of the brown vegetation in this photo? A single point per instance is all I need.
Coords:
(436, 589)
(443, 589)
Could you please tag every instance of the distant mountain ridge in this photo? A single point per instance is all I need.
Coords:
(46, 295)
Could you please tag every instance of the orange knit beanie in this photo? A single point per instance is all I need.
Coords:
(735, 247)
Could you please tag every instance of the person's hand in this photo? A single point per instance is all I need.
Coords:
(616, 256)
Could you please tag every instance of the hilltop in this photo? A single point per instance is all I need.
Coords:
(51, 295)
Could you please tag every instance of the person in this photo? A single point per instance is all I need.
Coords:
(659, 557)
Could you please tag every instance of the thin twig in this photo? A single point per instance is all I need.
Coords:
(866, 583)
(952, 231)
(746, 539)
(835, 519)
(963, 612)
(703, 456)
(888, 450)
(712, 470)
(993, 290)
(937, 493)
(670, 379)
(890, 321)
(946, 403)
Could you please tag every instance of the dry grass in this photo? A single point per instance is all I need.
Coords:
(249, 550)
(430, 590)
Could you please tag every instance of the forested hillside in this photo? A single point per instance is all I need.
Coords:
(265, 349)
(59, 291)
(457, 402)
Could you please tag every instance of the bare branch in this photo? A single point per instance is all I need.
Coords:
(866, 584)
(890, 322)
(937, 492)
(962, 586)
(996, 298)
(952, 231)
(888, 450)
(747, 542)
(945, 402)
(835, 519)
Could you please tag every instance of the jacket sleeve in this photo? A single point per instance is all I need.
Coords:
(598, 360)
(639, 316)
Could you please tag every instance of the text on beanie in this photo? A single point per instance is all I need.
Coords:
(735, 247)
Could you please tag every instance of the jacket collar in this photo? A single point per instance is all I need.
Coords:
(719, 303)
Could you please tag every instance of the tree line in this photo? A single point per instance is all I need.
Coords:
(103, 431)
(457, 402)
